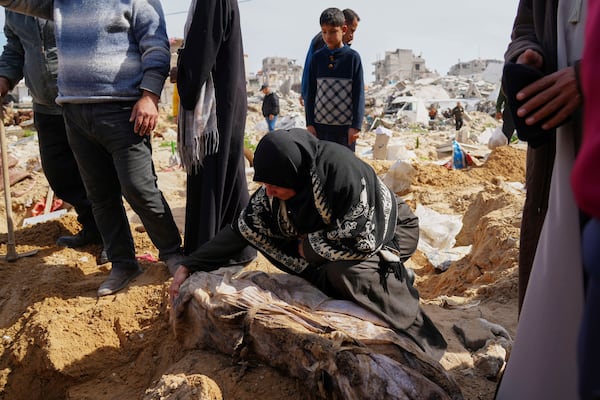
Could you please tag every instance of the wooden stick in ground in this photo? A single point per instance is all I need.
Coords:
(11, 252)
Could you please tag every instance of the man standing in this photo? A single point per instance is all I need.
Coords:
(30, 52)
(548, 36)
(114, 59)
(270, 106)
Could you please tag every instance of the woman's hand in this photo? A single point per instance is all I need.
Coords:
(301, 240)
(180, 276)
(300, 249)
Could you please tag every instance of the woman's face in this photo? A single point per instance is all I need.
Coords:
(279, 192)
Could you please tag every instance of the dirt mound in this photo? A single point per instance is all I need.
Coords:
(59, 341)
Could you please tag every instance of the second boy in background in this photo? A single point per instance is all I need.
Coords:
(335, 104)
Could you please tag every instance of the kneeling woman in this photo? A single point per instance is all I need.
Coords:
(323, 214)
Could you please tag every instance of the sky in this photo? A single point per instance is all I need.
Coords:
(443, 32)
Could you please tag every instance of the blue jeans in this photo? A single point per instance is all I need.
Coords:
(271, 122)
(115, 162)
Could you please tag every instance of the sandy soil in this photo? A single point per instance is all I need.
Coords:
(59, 341)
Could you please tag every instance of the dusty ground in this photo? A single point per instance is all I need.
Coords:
(59, 341)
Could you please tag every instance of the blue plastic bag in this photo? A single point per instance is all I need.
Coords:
(459, 159)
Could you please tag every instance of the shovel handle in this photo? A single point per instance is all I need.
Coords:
(11, 252)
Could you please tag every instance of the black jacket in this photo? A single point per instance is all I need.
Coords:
(270, 105)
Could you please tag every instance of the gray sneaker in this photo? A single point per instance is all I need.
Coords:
(118, 279)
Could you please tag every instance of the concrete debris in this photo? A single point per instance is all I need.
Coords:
(475, 333)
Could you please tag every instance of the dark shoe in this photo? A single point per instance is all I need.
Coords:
(103, 257)
(84, 237)
(117, 280)
(173, 263)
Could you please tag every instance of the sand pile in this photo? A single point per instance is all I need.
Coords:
(59, 341)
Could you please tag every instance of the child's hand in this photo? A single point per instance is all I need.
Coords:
(353, 135)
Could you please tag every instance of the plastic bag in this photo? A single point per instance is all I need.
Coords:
(460, 158)
(497, 139)
(438, 237)
(399, 177)
(438, 230)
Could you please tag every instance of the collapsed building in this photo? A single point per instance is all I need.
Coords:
(404, 88)
(400, 65)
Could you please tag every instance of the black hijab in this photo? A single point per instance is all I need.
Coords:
(284, 158)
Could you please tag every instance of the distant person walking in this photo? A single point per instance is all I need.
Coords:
(335, 104)
(270, 106)
(458, 114)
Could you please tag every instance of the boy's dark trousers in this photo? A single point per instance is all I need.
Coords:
(334, 133)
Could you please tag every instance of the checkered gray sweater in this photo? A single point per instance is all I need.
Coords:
(336, 88)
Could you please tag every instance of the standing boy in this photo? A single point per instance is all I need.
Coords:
(270, 107)
(335, 104)
(317, 43)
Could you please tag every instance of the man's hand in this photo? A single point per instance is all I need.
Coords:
(312, 130)
(180, 276)
(145, 114)
(554, 96)
(531, 58)
(353, 134)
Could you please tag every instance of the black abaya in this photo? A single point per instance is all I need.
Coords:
(217, 191)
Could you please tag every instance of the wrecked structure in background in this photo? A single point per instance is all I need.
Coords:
(403, 92)
(400, 65)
